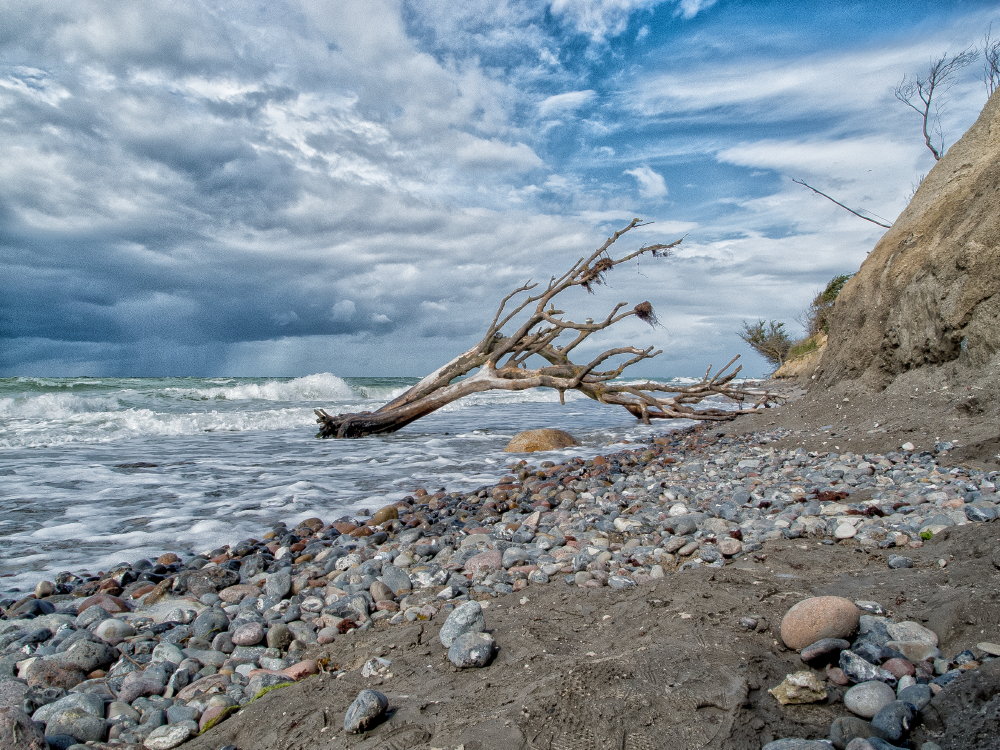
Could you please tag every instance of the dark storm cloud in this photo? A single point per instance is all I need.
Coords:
(292, 186)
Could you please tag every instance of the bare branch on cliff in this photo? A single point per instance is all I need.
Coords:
(846, 208)
(923, 94)
(991, 61)
(501, 361)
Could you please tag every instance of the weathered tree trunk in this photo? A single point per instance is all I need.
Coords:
(499, 361)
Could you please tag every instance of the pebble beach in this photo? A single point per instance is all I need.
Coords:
(151, 653)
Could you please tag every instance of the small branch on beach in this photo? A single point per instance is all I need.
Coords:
(530, 357)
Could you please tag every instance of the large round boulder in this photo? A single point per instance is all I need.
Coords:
(547, 439)
(819, 617)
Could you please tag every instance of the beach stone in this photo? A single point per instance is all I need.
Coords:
(893, 721)
(208, 622)
(799, 687)
(86, 702)
(466, 618)
(396, 579)
(139, 684)
(44, 673)
(279, 584)
(912, 632)
(729, 546)
(110, 604)
(472, 650)
(917, 696)
(868, 698)
(914, 651)
(899, 561)
(210, 579)
(364, 712)
(78, 723)
(547, 439)
(899, 667)
(165, 651)
(843, 729)
(279, 636)
(248, 634)
(113, 630)
(232, 594)
(484, 561)
(381, 593)
(825, 649)
(386, 513)
(18, 732)
(818, 617)
(169, 736)
(860, 670)
(12, 692)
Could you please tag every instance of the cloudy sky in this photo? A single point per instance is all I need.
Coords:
(213, 187)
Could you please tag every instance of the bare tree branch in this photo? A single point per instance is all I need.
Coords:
(922, 94)
(991, 61)
(539, 324)
(846, 208)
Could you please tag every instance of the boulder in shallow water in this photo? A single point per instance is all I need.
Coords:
(547, 439)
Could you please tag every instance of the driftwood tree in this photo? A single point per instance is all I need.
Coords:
(500, 361)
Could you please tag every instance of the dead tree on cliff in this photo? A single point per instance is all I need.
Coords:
(919, 92)
(501, 361)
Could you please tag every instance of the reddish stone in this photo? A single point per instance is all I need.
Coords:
(239, 592)
(488, 560)
(899, 667)
(138, 593)
(344, 527)
(361, 531)
(837, 676)
(110, 603)
(303, 558)
(387, 605)
(301, 669)
(110, 586)
(167, 558)
(819, 617)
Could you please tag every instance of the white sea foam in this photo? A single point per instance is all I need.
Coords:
(319, 387)
(119, 469)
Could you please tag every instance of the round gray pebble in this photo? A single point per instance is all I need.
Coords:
(868, 698)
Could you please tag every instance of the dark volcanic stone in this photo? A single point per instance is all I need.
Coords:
(894, 721)
(365, 711)
(846, 728)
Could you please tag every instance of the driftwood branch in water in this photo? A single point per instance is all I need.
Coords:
(500, 361)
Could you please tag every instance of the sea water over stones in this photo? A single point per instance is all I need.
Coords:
(169, 641)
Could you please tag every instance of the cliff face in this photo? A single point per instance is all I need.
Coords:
(925, 305)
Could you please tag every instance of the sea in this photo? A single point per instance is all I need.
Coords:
(98, 471)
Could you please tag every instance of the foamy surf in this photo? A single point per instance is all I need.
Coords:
(97, 471)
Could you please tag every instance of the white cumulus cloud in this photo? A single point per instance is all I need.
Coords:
(651, 184)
